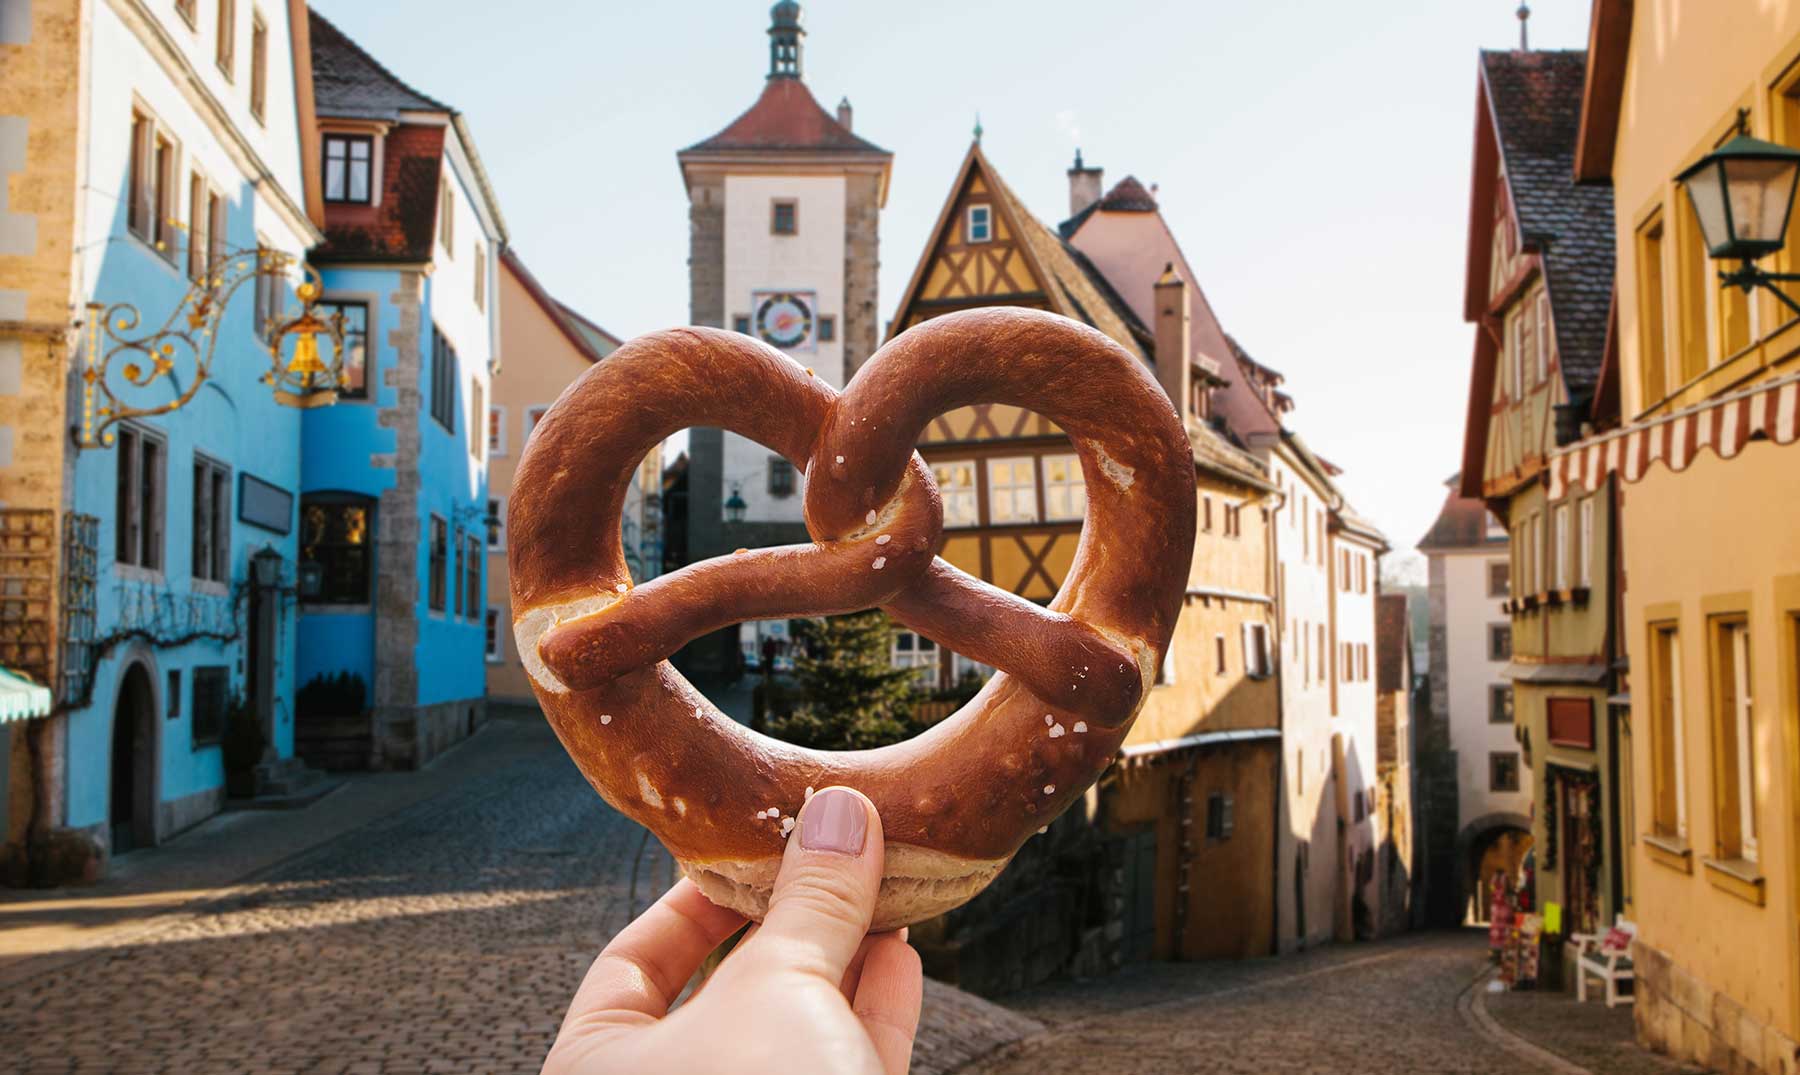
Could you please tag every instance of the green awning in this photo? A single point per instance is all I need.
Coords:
(20, 698)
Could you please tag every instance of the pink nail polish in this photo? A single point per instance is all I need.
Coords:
(834, 820)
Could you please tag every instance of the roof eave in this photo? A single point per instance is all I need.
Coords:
(1603, 88)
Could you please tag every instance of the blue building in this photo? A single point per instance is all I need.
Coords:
(162, 553)
(393, 479)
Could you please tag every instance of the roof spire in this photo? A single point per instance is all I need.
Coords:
(978, 127)
(1524, 14)
(785, 33)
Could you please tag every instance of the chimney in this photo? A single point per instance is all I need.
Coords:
(844, 113)
(1084, 185)
(1173, 343)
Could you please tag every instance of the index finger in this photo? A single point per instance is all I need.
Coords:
(643, 970)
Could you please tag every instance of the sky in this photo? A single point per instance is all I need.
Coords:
(1311, 156)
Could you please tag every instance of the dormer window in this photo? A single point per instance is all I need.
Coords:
(349, 164)
(981, 223)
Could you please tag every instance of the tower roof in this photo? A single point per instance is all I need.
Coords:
(785, 117)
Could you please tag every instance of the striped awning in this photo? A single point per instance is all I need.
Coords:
(1769, 411)
(20, 698)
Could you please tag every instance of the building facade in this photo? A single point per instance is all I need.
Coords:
(784, 210)
(394, 502)
(1470, 572)
(547, 346)
(1704, 471)
(143, 145)
(1398, 842)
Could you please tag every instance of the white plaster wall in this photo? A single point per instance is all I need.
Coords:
(472, 330)
(756, 260)
(1468, 612)
(131, 74)
(1356, 697)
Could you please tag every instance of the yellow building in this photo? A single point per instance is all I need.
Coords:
(1538, 287)
(544, 345)
(1189, 811)
(1709, 387)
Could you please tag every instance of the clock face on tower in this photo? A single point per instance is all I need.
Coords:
(784, 318)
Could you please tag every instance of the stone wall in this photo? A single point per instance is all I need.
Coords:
(411, 740)
(862, 265)
(396, 687)
(1683, 1016)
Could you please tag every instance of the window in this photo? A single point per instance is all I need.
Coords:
(917, 652)
(199, 224)
(162, 196)
(1668, 783)
(1012, 490)
(1543, 335)
(471, 561)
(1234, 520)
(1065, 488)
(1694, 281)
(1256, 650)
(1559, 548)
(456, 572)
(1499, 574)
(1219, 821)
(137, 211)
(494, 643)
(226, 52)
(1515, 364)
(956, 484)
(1652, 331)
(1206, 513)
(1734, 741)
(781, 476)
(827, 329)
(496, 430)
(1219, 654)
(784, 217)
(172, 694)
(355, 383)
(215, 211)
(1322, 651)
(480, 277)
(496, 524)
(740, 324)
(446, 217)
(212, 698)
(139, 514)
(1584, 544)
(477, 408)
(1499, 641)
(440, 555)
(335, 538)
(1527, 343)
(268, 297)
(259, 65)
(981, 223)
(443, 381)
(212, 520)
(1165, 671)
(1500, 703)
(534, 415)
(1503, 770)
(349, 159)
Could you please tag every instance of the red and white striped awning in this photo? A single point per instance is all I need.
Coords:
(1770, 410)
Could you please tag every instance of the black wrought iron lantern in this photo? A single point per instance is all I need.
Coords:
(735, 506)
(1742, 193)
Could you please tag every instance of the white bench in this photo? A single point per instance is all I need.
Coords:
(1606, 956)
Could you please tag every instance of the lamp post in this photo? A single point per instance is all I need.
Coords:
(735, 506)
(1742, 194)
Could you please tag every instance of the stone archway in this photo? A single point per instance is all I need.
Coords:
(1491, 842)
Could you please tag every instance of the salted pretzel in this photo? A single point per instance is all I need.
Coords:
(957, 800)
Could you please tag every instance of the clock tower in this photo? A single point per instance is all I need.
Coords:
(784, 207)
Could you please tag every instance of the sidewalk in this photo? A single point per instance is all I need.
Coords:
(1580, 1038)
(45, 928)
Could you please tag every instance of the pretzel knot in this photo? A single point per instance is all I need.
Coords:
(956, 801)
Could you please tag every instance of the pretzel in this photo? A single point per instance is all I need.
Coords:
(957, 800)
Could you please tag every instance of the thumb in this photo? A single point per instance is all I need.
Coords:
(825, 893)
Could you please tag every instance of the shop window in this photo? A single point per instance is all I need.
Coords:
(1734, 742)
(1668, 784)
(335, 539)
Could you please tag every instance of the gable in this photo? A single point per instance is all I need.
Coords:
(960, 271)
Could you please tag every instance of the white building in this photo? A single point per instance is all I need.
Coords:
(1470, 647)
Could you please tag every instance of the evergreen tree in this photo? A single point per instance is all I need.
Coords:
(850, 695)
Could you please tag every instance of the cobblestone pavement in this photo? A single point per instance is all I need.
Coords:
(1385, 1008)
(444, 936)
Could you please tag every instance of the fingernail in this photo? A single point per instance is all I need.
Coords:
(835, 820)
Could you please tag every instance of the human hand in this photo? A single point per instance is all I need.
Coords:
(807, 990)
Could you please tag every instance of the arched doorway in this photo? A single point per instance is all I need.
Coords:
(133, 799)
(1495, 843)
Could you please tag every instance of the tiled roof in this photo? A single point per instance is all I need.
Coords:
(602, 341)
(785, 117)
(1462, 523)
(1128, 196)
(1536, 104)
(351, 84)
(1391, 642)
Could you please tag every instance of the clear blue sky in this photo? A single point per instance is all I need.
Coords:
(1313, 159)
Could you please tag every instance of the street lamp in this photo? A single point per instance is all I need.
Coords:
(735, 506)
(1742, 193)
(265, 567)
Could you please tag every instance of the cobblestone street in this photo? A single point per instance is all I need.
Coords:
(446, 935)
